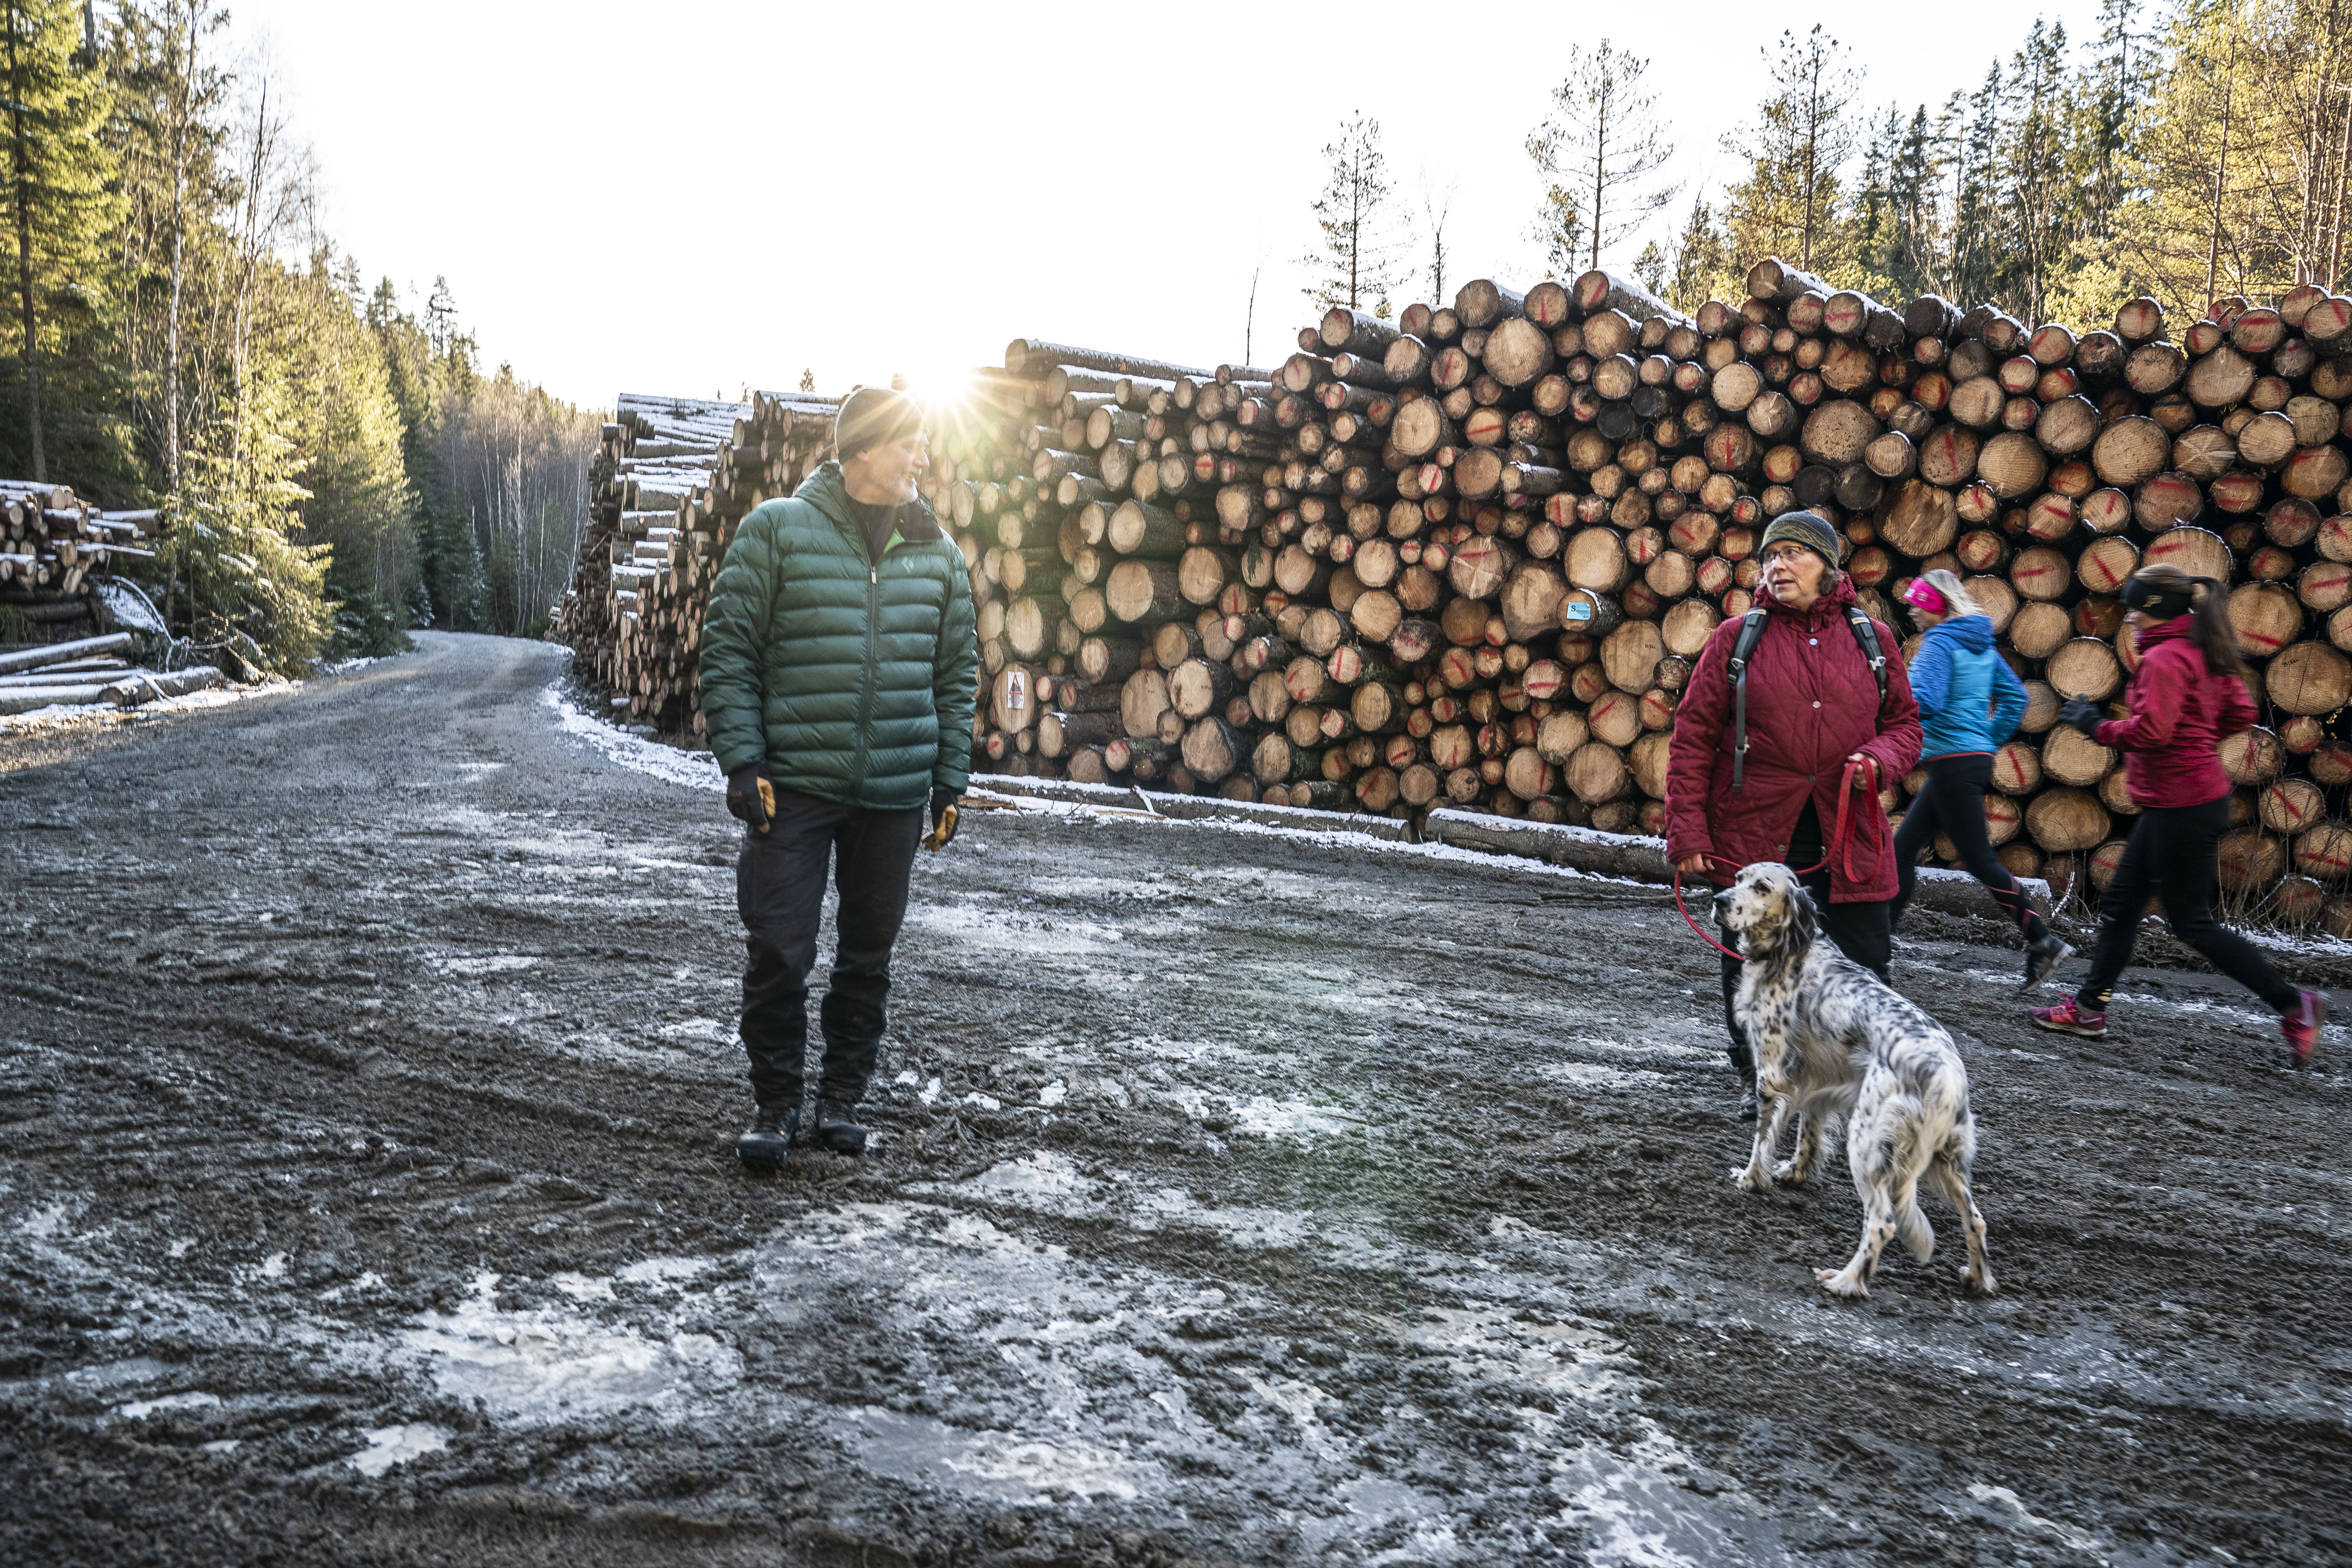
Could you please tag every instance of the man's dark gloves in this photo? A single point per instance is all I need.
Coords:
(751, 796)
(944, 812)
(2082, 714)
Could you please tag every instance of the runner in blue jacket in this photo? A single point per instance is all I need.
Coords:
(1970, 703)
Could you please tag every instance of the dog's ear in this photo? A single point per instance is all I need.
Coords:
(1804, 918)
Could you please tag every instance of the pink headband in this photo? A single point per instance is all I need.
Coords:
(1923, 593)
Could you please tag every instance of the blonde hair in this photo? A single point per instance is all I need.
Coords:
(1955, 597)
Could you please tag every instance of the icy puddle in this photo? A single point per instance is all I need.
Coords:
(551, 1364)
(999, 1465)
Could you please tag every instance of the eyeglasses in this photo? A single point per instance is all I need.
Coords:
(1784, 551)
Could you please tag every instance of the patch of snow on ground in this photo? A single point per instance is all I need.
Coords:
(663, 1270)
(688, 770)
(64, 715)
(390, 1446)
(1262, 1116)
(1003, 1465)
(1035, 934)
(140, 1409)
(1592, 1075)
(549, 1365)
(2073, 1539)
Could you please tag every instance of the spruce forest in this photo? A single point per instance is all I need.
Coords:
(334, 462)
(2187, 152)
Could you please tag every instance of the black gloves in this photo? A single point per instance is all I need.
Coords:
(2082, 714)
(944, 812)
(751, 796)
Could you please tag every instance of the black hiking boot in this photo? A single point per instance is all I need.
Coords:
(837, 1128)
(1747, 1101)
(2043, 956)
(774, 1130)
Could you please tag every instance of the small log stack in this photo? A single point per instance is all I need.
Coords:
(53, 544)
(1468, 557)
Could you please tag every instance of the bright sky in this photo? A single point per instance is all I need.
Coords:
(697, 195)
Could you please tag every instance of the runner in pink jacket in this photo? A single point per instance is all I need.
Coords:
(2186, 695)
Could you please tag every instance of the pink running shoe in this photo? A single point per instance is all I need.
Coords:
(2066, 1018)
(2300, 1027)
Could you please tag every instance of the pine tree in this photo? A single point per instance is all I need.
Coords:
(1701, 263)
(1788, 201)
(1975, 269)
(56, 171)
(1875, 214)
(347, 431)
(1599, 149)
(170, 128)
(1914, 233)
(1355, 264)
(808, 380)
(1437, 207)
(2117, 79)
(1649, 268)
(2039, 199)
(2189, 233)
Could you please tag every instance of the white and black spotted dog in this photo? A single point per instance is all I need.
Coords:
(1832, 1041)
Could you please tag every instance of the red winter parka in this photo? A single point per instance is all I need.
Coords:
(2179, 712)
(1811, 701)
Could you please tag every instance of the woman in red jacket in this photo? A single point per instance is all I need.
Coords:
(1830, 720)
(2186, 695)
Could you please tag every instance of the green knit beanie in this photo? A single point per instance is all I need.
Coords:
(874, 416)
(1807, 529)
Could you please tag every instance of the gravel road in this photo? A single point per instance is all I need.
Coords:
(367, 1084)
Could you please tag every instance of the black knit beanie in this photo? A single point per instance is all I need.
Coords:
(874, 416)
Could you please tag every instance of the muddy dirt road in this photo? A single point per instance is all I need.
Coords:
(367, 1083)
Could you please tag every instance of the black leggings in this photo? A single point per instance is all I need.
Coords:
(2170, 853)
(1953, 801)
(1860, 930)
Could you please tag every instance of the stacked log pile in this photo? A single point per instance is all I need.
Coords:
(672, 478)
(52, 543)
(91, 670)
(1468, 557)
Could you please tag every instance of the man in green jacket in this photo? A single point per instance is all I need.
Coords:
(839, 669)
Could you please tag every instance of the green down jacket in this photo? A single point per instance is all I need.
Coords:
(852, 679)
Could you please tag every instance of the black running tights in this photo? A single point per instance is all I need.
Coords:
(1954, 802)
(2170, 855)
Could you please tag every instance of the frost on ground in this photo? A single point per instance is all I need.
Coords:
(693, 770)
(1239, 1195)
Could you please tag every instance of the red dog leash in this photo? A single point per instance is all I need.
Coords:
(1840, 848)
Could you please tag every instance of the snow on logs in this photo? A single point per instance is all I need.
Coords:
(1468, 557)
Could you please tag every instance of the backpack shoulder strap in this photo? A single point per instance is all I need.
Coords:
(1866, 635)
(1743, 647)
(1751, 632)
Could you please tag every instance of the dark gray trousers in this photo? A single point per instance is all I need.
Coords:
(780, 893)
